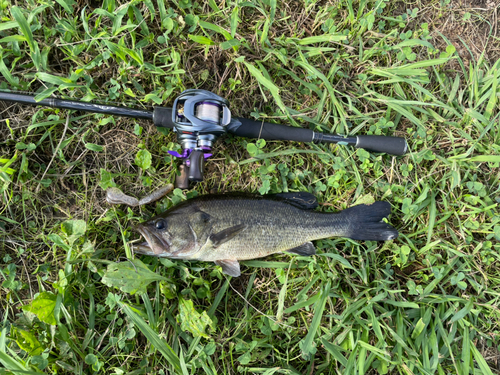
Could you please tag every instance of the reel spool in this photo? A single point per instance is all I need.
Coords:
(208, 111)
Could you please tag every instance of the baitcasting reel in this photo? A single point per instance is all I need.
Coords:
(199, 117)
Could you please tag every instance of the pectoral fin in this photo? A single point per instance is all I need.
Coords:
(230, 267)
(226, 234)
(305, 249)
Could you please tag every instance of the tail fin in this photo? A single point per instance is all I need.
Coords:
(364, 222)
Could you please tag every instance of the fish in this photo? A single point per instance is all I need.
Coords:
(228, 228)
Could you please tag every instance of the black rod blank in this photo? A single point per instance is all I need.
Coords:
(77, 105)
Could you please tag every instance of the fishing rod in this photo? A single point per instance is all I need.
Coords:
(199, 117)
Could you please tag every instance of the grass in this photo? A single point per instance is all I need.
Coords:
(426, 303)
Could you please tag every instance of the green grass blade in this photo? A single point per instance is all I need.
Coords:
(483, 366)
(466, 353)
(432, 218)
(273, 4)
(267, 264)
(409, 305)
(183, 363)
(8, 25)
(216, 28)
(303, 304)
(281, 298)
(375, 324)
(350, 367)
(153, 337)
(267, 84)
(23, 25)
(13, 38)
(322, 39)
(306, 345)
(413, 43)
(15, 366)
(401, 342)
(334, 351)
(483, 158)
(234, 20)
(217, 299)
(463, 312)
(162, 10)
(391, 72)
(14, 81)
(362, 350)
(315, 72)
(338, 258)
(202, 40)
(378, 352)
(214, 6)
(55, 80)
(66, 6)
(280, 153)
(149, 310)
(233, 43)
(303, 293)
(427, 63)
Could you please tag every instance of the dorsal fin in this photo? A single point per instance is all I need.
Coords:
(301, 199)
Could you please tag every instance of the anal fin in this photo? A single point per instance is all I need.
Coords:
(230, 267)
(305, 249)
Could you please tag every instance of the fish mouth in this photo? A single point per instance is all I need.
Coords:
(155, 244)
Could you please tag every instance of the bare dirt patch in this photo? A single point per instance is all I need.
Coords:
(471, 26)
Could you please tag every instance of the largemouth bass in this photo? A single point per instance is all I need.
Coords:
(228, 228)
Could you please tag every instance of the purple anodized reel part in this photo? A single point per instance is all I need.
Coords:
(206, 155)
(187, 151)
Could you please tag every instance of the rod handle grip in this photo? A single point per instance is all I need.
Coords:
(265, 130)
(381, 143)
(162, 117)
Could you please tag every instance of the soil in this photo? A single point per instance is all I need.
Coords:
(470, 25)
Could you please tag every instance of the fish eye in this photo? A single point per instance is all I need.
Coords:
(160, 224)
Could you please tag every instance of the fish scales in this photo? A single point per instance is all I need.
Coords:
(232, 227)
(272, 226)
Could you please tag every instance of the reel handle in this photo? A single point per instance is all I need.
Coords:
(196, 165)
(182, 181)
(191, 169)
